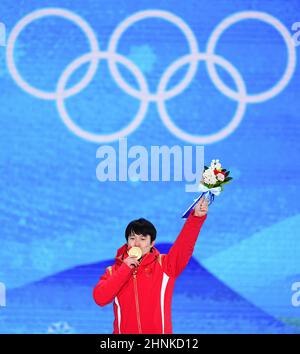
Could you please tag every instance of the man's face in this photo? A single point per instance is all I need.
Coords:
(144, 242)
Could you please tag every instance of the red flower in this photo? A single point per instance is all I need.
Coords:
(216, 172)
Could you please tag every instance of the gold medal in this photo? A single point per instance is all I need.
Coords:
(135, 251)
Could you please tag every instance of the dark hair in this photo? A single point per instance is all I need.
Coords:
(141, 227)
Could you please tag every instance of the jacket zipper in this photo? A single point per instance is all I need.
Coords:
(137, 302)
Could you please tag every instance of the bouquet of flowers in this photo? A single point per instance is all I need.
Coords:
(211, 184)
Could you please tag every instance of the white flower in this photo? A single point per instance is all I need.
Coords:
(220, 177)
(207, 173)
(209, 176)
(218, 166)
(215, 164)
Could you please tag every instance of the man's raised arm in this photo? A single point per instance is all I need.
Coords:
(180, 253)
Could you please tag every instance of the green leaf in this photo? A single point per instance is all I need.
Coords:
(226, 181)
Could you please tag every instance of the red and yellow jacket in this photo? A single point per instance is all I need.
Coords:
(143, 295)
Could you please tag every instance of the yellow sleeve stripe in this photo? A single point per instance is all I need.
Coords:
(110, 270)
(160, 258)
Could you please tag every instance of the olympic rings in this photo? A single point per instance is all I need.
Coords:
(161, 95)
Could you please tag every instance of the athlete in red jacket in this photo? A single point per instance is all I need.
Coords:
(142, 289)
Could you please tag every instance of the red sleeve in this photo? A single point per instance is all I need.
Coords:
(180, 253)
(110, 284)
